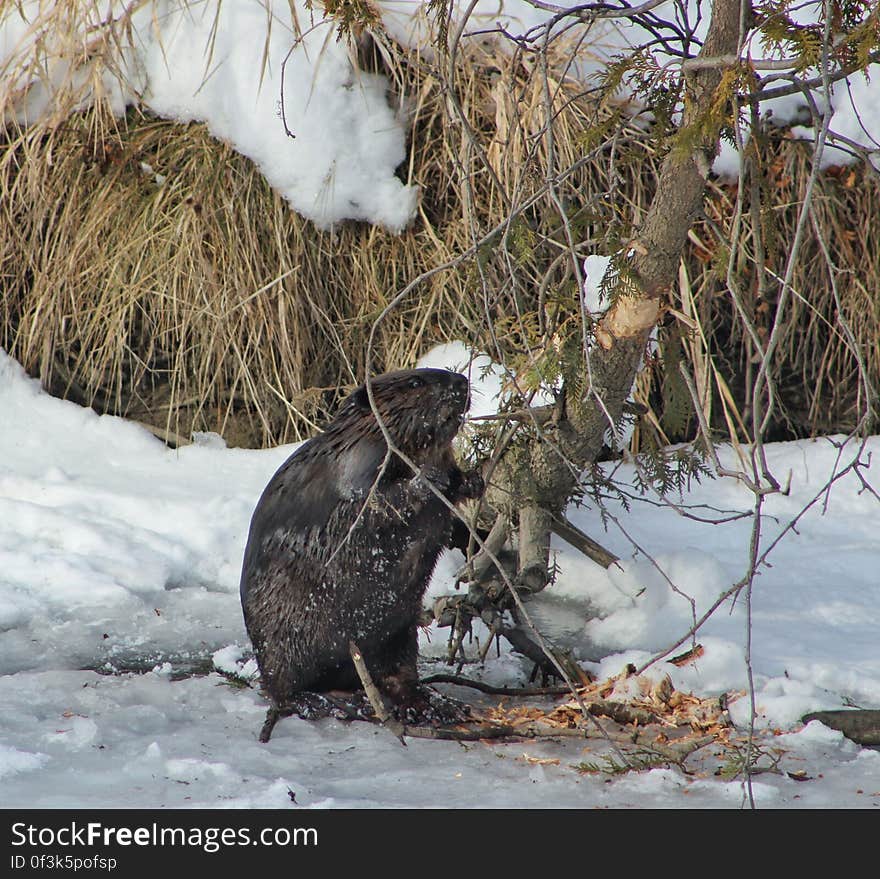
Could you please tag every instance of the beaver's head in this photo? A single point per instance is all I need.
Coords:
(422, 409)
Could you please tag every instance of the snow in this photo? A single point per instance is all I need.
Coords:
(203, 61)
(595, 267)
(120, 559)
(223, 64)
(119, 565)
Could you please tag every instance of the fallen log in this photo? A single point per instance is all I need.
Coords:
(861, 725)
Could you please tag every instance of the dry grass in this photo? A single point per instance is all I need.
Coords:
(197, 300)
(816, 367)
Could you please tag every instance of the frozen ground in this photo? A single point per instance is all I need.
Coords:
(119, 564)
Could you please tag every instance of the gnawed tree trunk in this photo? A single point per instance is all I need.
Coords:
(536, 476)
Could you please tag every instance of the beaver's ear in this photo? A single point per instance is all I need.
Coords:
(360, 399)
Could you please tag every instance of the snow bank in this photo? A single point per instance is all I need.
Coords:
(117, 554)
(203, 61)
(223, 64)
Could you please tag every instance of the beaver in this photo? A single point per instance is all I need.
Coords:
(345, 537)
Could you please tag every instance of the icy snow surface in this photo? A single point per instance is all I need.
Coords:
(119, 565)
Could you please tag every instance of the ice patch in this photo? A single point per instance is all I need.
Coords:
(14, 761)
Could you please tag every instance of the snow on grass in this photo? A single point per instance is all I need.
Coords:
(222, 64)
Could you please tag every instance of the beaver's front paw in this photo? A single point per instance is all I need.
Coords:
(420, 484)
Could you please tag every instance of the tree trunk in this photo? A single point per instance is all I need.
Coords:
(537, 476)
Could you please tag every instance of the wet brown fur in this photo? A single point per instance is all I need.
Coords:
(342, 542)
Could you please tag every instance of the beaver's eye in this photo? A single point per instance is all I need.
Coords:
(416, 383)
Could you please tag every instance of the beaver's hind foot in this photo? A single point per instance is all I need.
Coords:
(426, 707)
(314, 706)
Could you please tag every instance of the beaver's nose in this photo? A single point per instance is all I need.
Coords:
(461, 384)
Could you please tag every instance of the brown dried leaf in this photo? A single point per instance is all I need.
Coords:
(539, 761)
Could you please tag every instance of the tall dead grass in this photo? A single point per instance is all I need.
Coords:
(149, 271)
